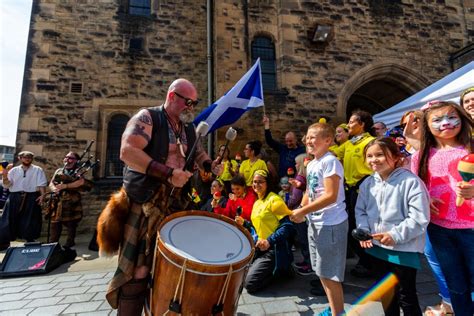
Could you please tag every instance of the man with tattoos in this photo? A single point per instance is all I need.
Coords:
(155, 146)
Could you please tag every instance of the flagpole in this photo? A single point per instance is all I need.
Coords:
(210, 73)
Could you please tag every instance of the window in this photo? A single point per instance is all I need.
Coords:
(139, 7)
(264, 48)
(113, 164)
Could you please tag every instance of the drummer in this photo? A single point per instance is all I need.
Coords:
(156, 167)
(273, 256)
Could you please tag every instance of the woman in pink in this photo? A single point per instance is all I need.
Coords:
(445, 139)
(242, 196)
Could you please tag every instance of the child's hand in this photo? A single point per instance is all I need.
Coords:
(412, 132)
(366, 244)
(294, 182)
(297, 216)
(232, 197)
(433, 208)
(239, 220)
(465, 190)
(262, 244)
(384, 238)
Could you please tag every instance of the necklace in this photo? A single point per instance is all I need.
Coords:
(177, 131)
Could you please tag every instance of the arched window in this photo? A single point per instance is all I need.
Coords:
(139, 7)
(264, 48)
(113, 164)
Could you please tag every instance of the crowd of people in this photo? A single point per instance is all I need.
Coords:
(399, 185)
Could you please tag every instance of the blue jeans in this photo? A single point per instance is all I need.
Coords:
(438, 274)
(454, 249)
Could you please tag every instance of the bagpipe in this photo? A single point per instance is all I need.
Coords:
(85, 163)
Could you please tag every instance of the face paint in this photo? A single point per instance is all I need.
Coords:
(445, 122)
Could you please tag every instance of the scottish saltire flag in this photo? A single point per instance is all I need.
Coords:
(244, 96)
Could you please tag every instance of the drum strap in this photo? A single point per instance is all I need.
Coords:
(219, 306)
(175, 304)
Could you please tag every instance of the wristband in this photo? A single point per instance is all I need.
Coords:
(159, 170)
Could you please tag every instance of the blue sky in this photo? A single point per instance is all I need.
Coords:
(14, 22)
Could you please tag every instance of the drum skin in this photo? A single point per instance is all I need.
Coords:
(203, 283)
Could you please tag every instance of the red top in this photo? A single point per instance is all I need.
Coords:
(246, 203)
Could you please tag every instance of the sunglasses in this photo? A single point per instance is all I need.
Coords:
(189, 102)
(70, 158)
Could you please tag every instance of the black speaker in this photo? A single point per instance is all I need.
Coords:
(32, 258)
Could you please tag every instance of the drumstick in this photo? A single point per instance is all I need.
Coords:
(230, 136)
(201, 130)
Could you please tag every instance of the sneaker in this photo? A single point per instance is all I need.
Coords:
(360, 271)
(326, 312)
(305, 270)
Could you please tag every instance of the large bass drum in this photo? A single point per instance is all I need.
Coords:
(200, 265)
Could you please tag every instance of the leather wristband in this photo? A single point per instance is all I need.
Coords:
(159, 170)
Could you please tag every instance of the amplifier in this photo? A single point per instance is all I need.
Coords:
(31, 258)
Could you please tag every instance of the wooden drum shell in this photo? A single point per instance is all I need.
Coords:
(203, 283)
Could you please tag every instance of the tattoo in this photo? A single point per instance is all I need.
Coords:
(145, 119)
(140, 130)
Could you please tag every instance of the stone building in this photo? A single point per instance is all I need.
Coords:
(91, 64)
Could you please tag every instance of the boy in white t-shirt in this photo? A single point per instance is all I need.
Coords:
(323, 205)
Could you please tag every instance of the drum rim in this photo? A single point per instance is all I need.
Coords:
(178, 261)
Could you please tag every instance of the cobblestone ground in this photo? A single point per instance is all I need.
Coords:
(78, 288)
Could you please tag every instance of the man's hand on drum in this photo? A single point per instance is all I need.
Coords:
(179, 177)
(262, 244)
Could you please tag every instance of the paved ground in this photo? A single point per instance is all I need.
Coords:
(78, 288)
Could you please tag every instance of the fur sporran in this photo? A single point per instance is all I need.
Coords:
(110, 225)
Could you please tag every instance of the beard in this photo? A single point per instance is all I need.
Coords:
(186, 116)
(27, 163)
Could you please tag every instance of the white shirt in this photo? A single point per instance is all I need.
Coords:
(26, 180)
(317, 170)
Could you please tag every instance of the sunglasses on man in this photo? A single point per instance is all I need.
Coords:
(187, 101)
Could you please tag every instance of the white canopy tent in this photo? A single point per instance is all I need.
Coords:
(447, 88)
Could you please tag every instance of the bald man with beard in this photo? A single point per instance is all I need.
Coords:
(155, 146)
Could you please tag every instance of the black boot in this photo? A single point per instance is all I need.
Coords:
(132, 297)
(93, 246)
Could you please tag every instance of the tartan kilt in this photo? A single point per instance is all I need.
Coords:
(138, 244)
(69, 207)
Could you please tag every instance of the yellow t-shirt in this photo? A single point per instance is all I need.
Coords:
(353, 160)
(338, 150)
(226, 175)
(247, 169)
(267, 213)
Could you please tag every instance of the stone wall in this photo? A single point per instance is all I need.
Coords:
(416, 35)
(88, 42)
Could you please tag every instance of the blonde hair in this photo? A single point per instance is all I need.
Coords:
(326, 130)
(300, 161)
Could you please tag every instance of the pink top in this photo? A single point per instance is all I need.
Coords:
(443, 177)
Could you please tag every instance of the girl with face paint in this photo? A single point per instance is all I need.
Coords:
(446, 138)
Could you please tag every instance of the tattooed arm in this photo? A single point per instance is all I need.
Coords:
(135, 138)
